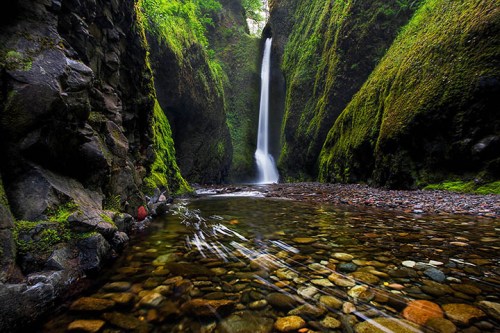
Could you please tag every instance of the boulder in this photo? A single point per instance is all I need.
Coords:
(86, 325)
(281, 301)
(491, 308)
(119, 240)
(40, 189)
(94, 250)
(92, 304)
(383, 325)
(62, 258)
(123, 221)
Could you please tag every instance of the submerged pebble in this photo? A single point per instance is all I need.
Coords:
(330, 271)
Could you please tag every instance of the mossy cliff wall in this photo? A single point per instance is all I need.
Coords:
(239, 54)
(77, 101)
(429, 111)
(81, 139)
(331, 49)
(189, 86)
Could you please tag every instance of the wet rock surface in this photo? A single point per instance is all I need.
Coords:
(254, 265)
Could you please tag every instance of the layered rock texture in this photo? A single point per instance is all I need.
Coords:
(195, 108)
(81, 140)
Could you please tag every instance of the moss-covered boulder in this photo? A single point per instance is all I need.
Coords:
(429, 109)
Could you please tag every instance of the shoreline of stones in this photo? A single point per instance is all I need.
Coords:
(408, 201)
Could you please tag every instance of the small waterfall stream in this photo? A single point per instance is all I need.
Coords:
(266, 167)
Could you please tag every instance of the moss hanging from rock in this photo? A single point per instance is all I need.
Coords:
(239, 54)
(428, 111)
(331, 51)
(164, 171)
(189, 85)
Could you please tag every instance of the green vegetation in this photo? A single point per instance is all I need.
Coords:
(239, 57)
(423, 92)
(331, 51)
(164, 171)
(181, 23)
(41, 236)
(154, 16)
(466, 187)
(14, 60)
(112, 203)
(107, 219)
(253, 9)
(61, 213)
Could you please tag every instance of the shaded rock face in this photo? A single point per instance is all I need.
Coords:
(326, 50)
(280, 26)
(239, 54)
(75, 102)
(430, 118)
(7, 247)
(196, 111)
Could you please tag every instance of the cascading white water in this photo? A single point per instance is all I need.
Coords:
(267, 171)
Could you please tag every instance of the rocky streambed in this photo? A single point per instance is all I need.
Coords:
(247, 264)
(418, 201)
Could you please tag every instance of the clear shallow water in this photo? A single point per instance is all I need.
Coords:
(240, 264)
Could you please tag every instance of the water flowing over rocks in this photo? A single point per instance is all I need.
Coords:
(254, 276)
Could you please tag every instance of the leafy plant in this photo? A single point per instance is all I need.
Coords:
(253, 9)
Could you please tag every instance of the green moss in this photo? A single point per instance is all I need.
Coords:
(491, 188)
(331, 51)
(181, 23)
(164, 172)
(466, 187)
(422, 93)
(14, 60)
(56, 230)
(106, 218)
(61, 213)
(239, 54)
(453, 186)
(41, 242)
(112, 203)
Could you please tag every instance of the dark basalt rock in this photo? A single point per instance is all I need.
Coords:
(195, 111)
(75, 108)
(93, 251)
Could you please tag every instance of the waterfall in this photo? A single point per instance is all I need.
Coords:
(267, 171)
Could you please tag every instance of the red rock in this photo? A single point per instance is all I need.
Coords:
(141, 213)
(420, 311)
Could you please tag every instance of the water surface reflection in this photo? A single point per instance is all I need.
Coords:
(261, 265)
